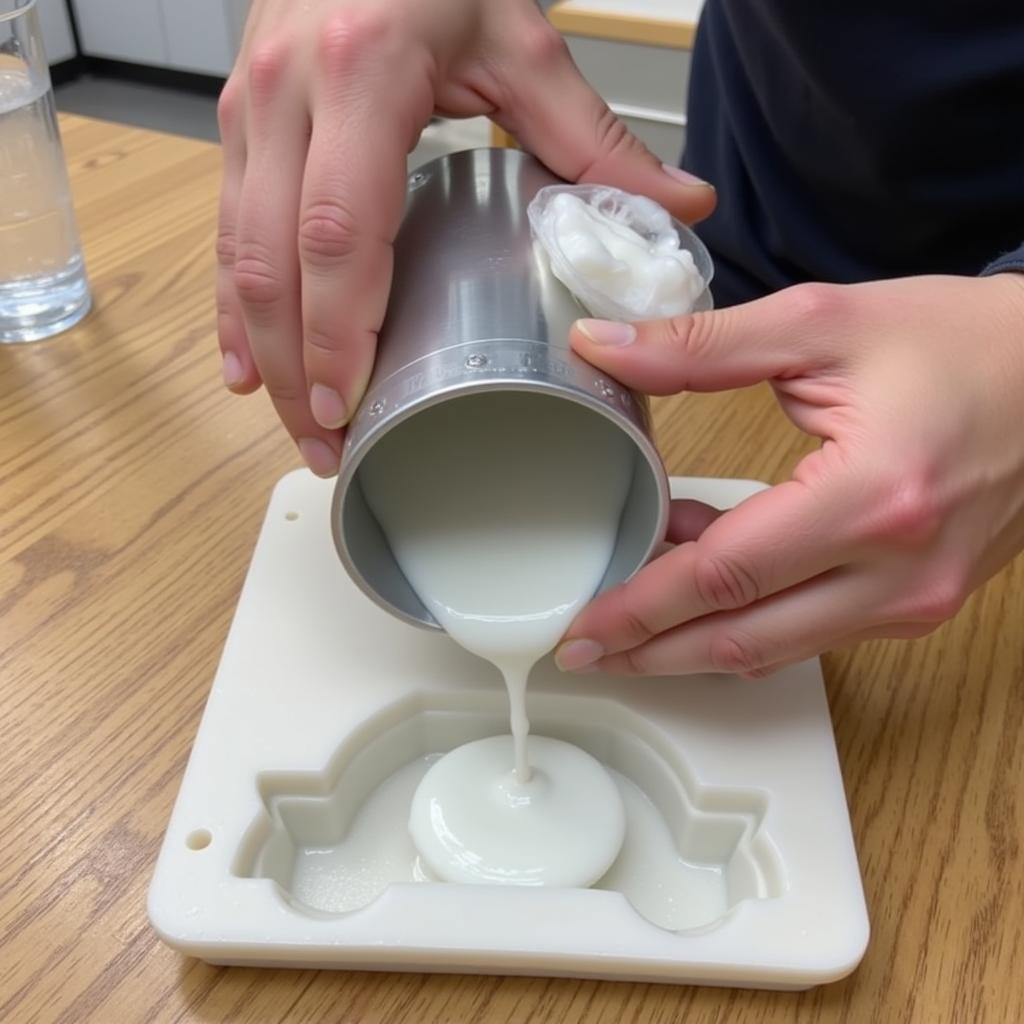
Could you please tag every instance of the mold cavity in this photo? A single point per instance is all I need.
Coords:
(334, 840)
(291, 516)
(200, 839)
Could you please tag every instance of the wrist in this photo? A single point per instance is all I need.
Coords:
(1002, 306)
(1007, 286)
(1007, 296)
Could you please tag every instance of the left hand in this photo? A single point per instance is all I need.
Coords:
(916, 496)
(325, 101)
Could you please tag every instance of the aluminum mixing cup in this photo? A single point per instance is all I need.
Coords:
(474, 309)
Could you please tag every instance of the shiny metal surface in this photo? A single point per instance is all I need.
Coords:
(475, 308)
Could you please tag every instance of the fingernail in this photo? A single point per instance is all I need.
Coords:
(685, 176)
(318, 455)
(574, 655)
(607, 332)
(329, 409)
(231, 370)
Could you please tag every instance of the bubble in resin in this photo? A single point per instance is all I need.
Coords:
(471, 820)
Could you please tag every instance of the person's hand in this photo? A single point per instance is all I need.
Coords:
(321, 109)
(916, 496)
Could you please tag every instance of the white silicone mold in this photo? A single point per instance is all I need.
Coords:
(321, 696)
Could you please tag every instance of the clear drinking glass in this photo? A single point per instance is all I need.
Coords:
(43, 288)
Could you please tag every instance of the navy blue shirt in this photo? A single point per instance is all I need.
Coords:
(852, 140)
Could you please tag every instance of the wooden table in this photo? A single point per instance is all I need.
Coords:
(133, 486)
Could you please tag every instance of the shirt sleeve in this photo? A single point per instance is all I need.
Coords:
(1013, 260)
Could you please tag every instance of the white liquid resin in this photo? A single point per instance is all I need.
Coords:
(377, 851)
(570, 805)
(502, 511)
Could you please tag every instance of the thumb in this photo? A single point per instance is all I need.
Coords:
(552, 110)
(773, 337)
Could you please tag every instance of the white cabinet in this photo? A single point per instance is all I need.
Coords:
(198, 34)
(190, 35)
(122, 30)
(56, 26)
(237, 12)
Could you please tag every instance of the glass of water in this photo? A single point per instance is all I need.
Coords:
(43, 288)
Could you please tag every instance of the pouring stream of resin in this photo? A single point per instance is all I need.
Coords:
(502, 512)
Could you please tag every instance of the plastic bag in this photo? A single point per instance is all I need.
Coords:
(623, 256)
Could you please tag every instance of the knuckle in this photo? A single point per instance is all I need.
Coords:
(541, 43)
(225, 248)
(736, 653)
(816, 301)
(906, 511)
(761, 673)
(614, 138)
(228, 104)
(940, 598)
(613, 141)
(284, 392)
(327, 233)
(257, 282)
(320, 341)
(350, 34)
(227, 326)
(723, 582)
(266, 66)
(914, 517)
(635, 627)
(692, 338)
(635, 662)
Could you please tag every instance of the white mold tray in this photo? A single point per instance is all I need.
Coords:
(320, 698)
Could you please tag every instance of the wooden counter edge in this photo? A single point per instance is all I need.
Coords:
(623, 28)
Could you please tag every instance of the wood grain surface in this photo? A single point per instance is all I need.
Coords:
(132, 487)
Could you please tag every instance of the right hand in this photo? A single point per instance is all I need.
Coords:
(323, 105)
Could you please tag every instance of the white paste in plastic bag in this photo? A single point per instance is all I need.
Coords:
(618, 253)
